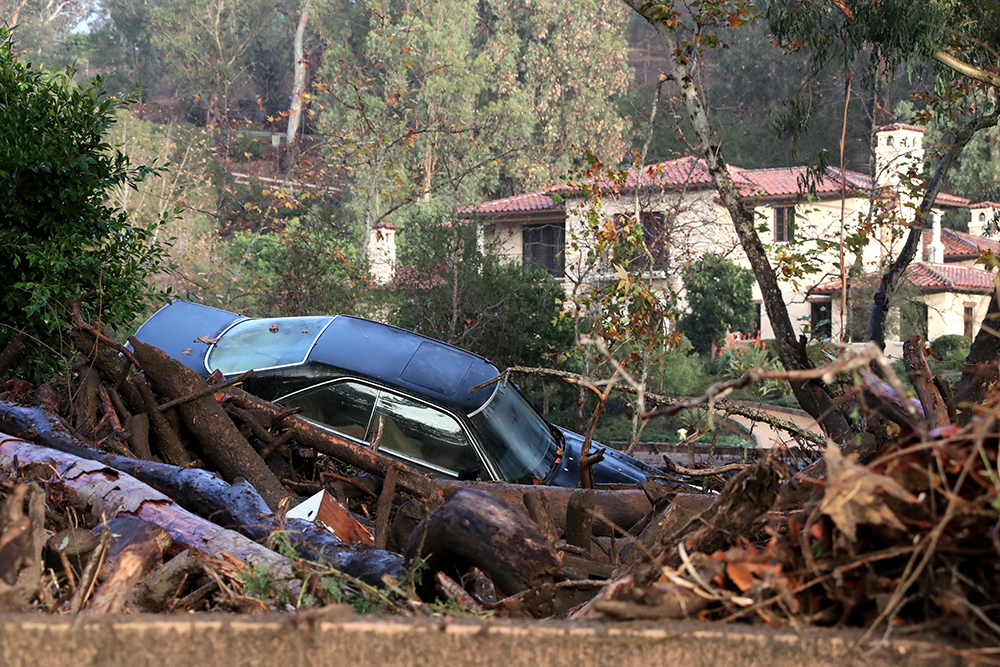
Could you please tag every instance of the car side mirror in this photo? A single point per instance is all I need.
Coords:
(469, 473)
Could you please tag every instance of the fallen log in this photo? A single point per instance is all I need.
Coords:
(473, 528)
(237, 506)
(220, 440)
(136, 549)
(321, 546)
(157, 591)
(619, 508)
(113, 493)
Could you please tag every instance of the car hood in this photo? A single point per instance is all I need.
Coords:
(181, 329)
(616, 468)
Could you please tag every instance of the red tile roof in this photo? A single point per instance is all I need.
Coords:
(984, 204)
(933, 277)
(902, 126)
(542, 200)
(692, 173)
(962, 245)
(790, 181)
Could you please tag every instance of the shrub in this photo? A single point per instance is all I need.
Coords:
(740, 354)
(951, 347)
(59, 235)
(682, 372)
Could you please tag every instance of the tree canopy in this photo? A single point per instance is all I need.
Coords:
(59, 237)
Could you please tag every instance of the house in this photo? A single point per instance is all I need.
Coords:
(800, 212)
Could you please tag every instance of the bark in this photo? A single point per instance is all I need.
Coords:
(157, 591)
(320, 545)
(664, 525)
(618, 510)
(813, 395)
(342, 449)
(299, 81)
(475, 529)
(384, 508)
(138, 394)
(580, 519)
(894, 275)
(220, 440)
(935, 408)
(111, 493)
(136, 550)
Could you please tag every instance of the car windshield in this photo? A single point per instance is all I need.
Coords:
(267, 343)
(515, 436)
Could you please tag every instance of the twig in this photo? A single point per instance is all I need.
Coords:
(694, 472)
(722, 405)
(207, 391)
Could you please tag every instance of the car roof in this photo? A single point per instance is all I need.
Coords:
(409, 360)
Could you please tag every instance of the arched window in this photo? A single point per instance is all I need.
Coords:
(982, 217)
(889, 141)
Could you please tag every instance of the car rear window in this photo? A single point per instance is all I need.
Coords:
(265, 343)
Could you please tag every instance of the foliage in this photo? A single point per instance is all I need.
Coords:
(720, 300)
(295, 268)
(741, 354)
(454, 289)
(951, 347)
(59, 235)
(465, 100)
(206, 46)
(681, 371)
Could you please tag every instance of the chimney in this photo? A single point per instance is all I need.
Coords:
(935, 249)
(382, 253)
(981, 215)
(898, 148)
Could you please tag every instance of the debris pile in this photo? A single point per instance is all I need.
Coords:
(157, 491)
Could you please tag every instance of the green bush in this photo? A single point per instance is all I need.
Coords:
(741, 354)
(59, 236)
(682, 372)
(951, 347)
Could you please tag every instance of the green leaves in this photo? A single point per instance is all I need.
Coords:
(59, 237)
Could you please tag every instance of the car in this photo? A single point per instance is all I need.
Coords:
(427, 403)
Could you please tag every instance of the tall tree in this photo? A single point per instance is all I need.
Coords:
(205, 45)
(896, 32)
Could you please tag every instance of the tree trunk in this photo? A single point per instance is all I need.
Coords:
(472, 528)
(299, 82)
(814, 396)
(112, 493)
(221, 441)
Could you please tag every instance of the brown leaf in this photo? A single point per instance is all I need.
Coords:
(853, 495)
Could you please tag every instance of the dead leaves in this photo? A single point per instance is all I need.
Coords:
(853, 495)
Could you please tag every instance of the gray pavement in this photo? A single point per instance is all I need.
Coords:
(336, 638)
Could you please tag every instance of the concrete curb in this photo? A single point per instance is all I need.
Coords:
(337, 638)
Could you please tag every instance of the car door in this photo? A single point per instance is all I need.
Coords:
(413, 431)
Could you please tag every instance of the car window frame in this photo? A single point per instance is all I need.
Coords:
(222, 334)
(487, 464)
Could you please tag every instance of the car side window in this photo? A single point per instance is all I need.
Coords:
(345, 407)
(422, 434)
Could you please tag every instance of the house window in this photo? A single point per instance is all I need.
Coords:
(543, 247)
(655, 238)
(784, 224)
(969, 317)
(820, 319)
